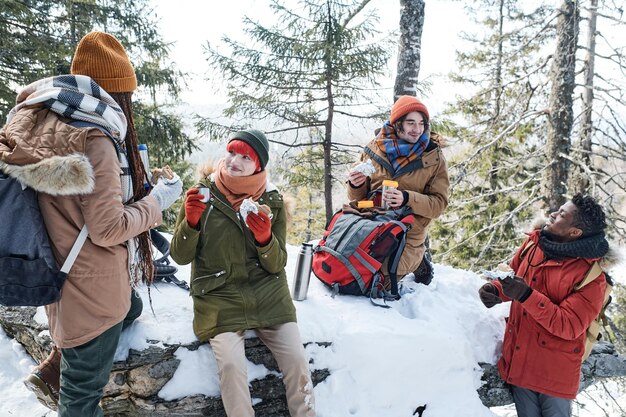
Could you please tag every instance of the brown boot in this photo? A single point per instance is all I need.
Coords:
(45, 380)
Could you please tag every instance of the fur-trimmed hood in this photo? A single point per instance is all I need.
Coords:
(608, 261)
(43, 152)
(57, 175)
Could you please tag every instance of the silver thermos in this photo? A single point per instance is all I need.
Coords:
(303, 272)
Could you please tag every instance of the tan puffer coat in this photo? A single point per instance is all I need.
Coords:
(77, 173)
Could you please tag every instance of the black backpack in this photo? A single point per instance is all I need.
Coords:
(29, 275)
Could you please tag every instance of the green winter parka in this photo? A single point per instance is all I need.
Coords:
(235, 284)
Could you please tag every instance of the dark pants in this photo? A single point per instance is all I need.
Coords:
(85, 369)
(533, 404)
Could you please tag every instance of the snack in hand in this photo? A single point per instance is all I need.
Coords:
(165, 172)
(248, 205)
(366, 168)
(501, 271)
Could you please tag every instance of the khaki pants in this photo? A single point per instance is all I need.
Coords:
(286, 346)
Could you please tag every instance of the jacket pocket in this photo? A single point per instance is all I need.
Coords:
(205, 283)
(553, 343)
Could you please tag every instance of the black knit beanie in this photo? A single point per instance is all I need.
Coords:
(257, 140)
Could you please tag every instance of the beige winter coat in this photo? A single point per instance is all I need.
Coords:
(77, 173)
(428, 190)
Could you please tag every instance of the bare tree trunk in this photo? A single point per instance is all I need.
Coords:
(409, 48)
(579, 180)
(560, 120)
(493, 176)
(328, 126)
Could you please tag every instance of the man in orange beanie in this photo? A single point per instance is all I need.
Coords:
(405, 150)
(77, 117)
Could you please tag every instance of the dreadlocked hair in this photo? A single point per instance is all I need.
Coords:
(589, 216)
(138, 175)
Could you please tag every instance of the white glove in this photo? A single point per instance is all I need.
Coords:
(167, 191)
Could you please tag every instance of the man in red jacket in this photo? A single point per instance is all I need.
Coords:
(544, 340)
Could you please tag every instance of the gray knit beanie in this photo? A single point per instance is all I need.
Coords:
(257, 140)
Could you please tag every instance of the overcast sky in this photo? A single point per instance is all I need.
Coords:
(190, 23)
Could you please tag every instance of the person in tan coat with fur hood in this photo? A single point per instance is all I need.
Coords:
(234, 235)
(405, 150)
(72, 139)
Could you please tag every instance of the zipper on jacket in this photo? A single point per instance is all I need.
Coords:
(215, 275)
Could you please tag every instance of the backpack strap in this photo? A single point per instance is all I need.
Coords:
(593, 273)
(78, 245)
(394, 258)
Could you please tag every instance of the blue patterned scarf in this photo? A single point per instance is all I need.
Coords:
(400, 152)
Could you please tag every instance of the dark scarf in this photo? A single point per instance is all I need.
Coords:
(588, 247)
(400, 152)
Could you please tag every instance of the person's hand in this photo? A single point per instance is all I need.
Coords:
(167, 191)
(356, 178)
(515, 288)
(194, 207)
(489, 295)
(261, 227)
(165, 172)
(394, 197)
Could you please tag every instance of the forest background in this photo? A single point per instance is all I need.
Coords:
(536, 112)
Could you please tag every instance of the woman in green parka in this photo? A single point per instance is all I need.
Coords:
(238, 279)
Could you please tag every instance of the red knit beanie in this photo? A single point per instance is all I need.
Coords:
(242, 148)
(405, 105)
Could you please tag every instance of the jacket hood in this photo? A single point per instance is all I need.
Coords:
(56, 175)
(43, 152)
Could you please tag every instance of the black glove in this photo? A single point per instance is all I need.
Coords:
(515, 288)
(489, 295)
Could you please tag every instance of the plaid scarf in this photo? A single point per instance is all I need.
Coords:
(400, 152)
(78, 97)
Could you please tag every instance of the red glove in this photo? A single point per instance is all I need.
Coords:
(193, 207)
(261, 227)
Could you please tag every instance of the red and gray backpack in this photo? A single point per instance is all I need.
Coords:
(354, 247)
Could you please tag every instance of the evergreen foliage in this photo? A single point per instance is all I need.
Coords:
(313, 69)
(38, 39)
(495, 171)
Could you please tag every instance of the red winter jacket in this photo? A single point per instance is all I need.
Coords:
(544, 340)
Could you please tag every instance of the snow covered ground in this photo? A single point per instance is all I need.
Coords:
(382, 362)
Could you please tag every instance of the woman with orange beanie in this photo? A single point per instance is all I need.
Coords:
(234, 234)
(405, 150)
(72, 138)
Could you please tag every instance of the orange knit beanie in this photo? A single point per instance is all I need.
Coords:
(102, 57)
(405, 105)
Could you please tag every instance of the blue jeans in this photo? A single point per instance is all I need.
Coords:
(529, 403)
(85, 369)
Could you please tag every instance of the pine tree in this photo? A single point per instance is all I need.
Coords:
(315, 68)
(38, 39)
(494, 172)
